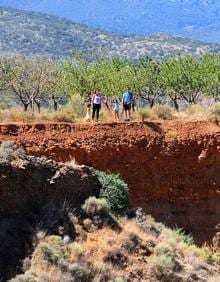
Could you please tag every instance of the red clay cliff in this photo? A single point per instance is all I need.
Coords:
(172, 168)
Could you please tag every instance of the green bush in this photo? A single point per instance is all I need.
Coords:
(115, 191)
(163, 112)
(180, 235)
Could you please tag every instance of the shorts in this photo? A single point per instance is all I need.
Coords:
(127, 107)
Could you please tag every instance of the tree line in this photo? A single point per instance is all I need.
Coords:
(33, 81)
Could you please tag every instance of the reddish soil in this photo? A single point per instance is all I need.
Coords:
(172, 168)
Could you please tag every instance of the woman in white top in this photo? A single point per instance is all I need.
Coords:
(96, 105)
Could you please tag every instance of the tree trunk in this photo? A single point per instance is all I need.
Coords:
(26, 107)
(38, 107)
(217, 99)
(176, 105)
(55, 105)
(151, 104)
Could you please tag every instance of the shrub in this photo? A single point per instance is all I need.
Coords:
(171, 134)
(26, 264)
(115, 191)
(101, 271)
(162, 112)
(163, 249)
(144, 113)
(24, 278)
(95, 206)
(54, 239)
(117, 258)
(208, 256)
(10, 151)
(196, 109)
(106, 116)
(214, 113)
(76, 249)
(20, 116)
(181, 236)
(148, 224)
(49, 253)
(163, 266)
(178, 235)
(4, 106)
(164, 262)
(61, 116)
(76, 106)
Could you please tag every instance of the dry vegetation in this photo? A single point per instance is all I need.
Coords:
(69, 113)
(107, 241)
(124, 249)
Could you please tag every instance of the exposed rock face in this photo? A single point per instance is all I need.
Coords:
(31, 180)
(32, 192)
(172, 168)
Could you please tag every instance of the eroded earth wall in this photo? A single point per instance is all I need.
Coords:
(172, 168)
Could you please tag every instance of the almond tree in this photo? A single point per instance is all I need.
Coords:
(147, 81)
(29, 80)
(171, 81)
(211, 75)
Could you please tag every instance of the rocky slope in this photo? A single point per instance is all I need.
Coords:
(30, 33)
(172, 168)
(195, 18)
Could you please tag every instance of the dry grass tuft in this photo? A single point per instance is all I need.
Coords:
(163, 112)
(144, 114)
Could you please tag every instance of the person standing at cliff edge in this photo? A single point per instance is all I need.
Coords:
(127, 101)
(96, 105)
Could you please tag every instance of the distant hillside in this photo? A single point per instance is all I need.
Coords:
(32, 33)
(196, 19)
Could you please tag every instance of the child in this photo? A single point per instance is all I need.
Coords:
(116, 109)
(88, 108)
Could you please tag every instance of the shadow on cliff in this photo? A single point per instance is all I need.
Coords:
(36, 195)
(18, 234)
(154, 126)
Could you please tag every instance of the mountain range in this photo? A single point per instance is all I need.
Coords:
(32, 33)
(196, 19)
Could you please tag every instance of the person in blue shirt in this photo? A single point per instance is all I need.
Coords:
(127, 102)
